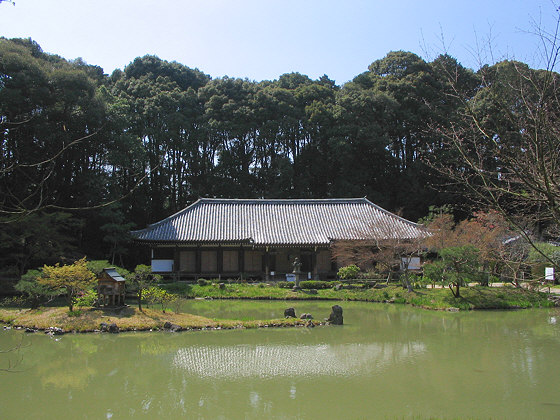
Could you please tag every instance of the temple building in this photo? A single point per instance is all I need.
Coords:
(260, 238)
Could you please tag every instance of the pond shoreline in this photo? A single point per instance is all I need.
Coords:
(51, 331)
(56, 321)
(472, 298)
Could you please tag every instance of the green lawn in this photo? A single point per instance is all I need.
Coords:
(130, 318)
(471, 297)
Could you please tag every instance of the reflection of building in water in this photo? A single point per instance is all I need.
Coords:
(292, 360)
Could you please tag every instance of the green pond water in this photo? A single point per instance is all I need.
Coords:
(387, 361)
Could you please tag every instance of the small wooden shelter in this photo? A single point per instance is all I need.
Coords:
(111, 288)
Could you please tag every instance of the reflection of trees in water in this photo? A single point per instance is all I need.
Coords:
(70, 369)
(65, 374)
(292, 360)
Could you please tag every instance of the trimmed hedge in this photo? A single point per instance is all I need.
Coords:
(307, 284)
(316, 284)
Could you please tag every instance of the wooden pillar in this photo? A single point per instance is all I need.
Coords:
(220, 262)
(198, 261)
(334, 262)
(241, 261)
(176, 260)
(266, 264)
(314, 264)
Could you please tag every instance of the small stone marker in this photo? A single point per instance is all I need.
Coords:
(335, 317)
(290, 313)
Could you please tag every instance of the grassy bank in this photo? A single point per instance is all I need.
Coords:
(439, 299)
(127, 319)
(131, 319)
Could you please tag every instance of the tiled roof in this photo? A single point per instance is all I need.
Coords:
(279, 222)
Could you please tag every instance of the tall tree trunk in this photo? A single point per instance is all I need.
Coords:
(456, 293)
(140, 300)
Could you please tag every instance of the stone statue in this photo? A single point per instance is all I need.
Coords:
(297, 265)
(297, 272)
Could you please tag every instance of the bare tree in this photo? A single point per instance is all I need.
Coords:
(506, 140)
(381, 245)
(512, 257)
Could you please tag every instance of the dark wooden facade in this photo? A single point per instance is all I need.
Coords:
(230, 261)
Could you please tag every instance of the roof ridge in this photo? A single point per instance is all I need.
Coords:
(252, 218)
(280, 200)
(393, 214)
(169, 217)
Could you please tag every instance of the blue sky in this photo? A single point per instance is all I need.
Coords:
(262, 39)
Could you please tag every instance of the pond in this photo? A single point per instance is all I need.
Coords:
(387, 361)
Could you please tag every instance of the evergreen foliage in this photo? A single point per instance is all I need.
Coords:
(35, 292)
(159, 135)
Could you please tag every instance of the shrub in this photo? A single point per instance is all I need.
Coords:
(178, 288)
(14, 301)
(202, 282)
(75, 313)
(285, 284)
(348, 272)
(87, 299)
(316, 284)
(34, 292)
(160, 296)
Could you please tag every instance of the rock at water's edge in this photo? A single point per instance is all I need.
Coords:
(290, 313)
(335, 317)
(112, 328)
(172, 327)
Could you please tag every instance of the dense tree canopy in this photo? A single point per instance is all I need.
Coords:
(159, 135)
